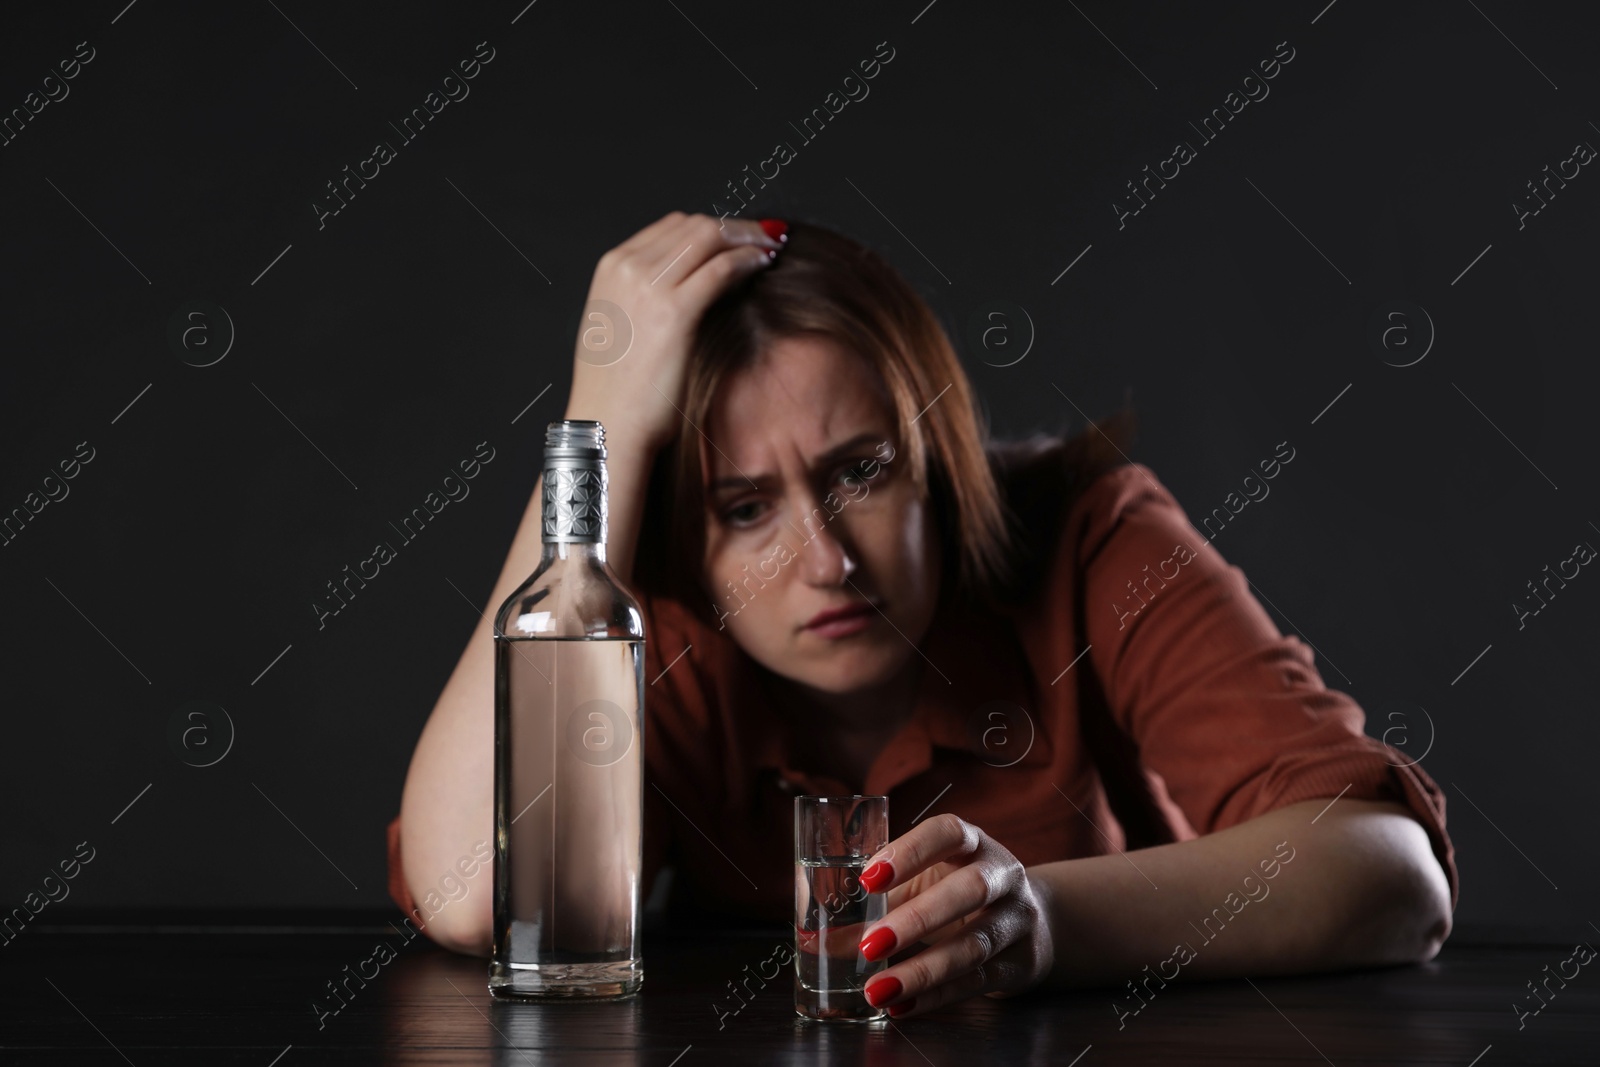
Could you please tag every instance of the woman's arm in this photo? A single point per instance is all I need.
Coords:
(661, 280)
(1310, 886)
(1250, 745)
(1276, 894)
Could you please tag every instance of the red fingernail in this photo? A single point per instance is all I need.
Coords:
(882, 990)
(878, 943)
(900, 1009)
(877, 876)
(776, 229)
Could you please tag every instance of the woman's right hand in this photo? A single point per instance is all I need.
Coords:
(657, 284)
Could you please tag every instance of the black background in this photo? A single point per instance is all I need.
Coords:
(379, 350)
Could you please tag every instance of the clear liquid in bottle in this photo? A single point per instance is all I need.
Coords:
(569, 752)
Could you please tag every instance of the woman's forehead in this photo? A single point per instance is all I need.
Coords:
(800, 400)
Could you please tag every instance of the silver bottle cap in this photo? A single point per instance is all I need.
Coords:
(574, 506)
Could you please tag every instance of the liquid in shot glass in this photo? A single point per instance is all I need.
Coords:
(834, 837)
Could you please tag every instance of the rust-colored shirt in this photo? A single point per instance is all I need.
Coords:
(1196, 714)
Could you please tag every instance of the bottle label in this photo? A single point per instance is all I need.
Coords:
(574, 505)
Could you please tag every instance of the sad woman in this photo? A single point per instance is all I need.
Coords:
(1075, 787)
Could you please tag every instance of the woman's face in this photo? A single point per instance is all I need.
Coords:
(809, 508)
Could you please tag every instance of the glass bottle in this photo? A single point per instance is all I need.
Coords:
(569, 750)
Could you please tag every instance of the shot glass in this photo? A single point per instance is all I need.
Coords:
(834, 837)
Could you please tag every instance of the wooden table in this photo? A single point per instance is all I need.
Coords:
(258, 997)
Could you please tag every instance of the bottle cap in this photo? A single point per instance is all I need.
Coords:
(574, 499)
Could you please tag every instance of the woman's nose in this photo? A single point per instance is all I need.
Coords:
(824, 560)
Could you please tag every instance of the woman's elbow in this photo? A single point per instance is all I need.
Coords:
(1418, 881)
(1433, 908)
(464, 926)
(1390, 902)
(1407, 905)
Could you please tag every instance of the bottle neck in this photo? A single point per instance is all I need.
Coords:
(578, 551)
(573, 509)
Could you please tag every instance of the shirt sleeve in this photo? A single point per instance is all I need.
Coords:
(1229, 712)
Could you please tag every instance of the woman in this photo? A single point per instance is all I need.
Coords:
(1028, 647)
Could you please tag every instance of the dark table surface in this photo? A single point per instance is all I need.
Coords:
(257, 996)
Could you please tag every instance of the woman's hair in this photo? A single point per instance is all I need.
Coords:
(988, 498)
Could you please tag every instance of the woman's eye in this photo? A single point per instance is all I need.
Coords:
(742, 515)
(855, 474)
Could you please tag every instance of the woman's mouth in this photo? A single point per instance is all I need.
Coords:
(842, 621)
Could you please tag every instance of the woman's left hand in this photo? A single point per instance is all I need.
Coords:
(955, 888)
